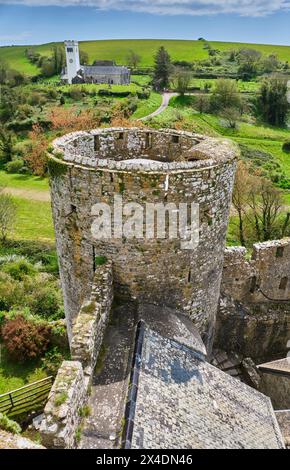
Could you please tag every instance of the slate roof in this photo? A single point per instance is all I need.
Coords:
(281, 366)
(177, 400)
(104, 70)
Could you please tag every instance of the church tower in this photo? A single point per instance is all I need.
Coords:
(72, 59)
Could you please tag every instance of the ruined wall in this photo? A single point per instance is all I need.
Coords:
(91, 322)
(181, 168)
(277, 387)
(254, 312)
(62, 414)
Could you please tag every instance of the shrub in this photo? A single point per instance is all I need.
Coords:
(46, 302)
(25, 339)
(286, 147)
(19, 269)
(11, 292)
(15, 166)
(52, 360)
(9, 425)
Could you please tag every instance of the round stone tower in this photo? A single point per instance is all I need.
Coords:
(145, 167)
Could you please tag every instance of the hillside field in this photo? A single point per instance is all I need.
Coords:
(118, 50)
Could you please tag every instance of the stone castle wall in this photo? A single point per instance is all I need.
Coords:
(62, 413)
(179, 167)
(91, 322)
(254, 312)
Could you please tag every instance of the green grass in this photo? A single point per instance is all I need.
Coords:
(33, 221)
(141, 80)
(283, 52)
(14, 374)
(23, 181)
(146, 107)
(118, 50)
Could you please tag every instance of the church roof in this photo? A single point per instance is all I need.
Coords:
(178, 400)
(103, 70)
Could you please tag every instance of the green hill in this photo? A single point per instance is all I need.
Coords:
(118, 50)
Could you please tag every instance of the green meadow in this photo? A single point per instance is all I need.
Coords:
(118, 50)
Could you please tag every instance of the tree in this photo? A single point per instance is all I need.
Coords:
(242, 188)
(7, 214)
(248, 60)
(6, 146)
(270, 63)
(162, 69)
(58, 59)
(272, 105)
(266, 203)
(84, 57)
(225, 95)
(36, 156)
(230, 116)
(133, 59)
(181, 80)
(259, 207)
(202, 103)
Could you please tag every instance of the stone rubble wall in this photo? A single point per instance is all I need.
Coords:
(254, 312)
(15, 441)
(156, 271)
(70, 389)
(62, 411)
(277, 387)
(283, 418)
(90, 325)
(257, 279)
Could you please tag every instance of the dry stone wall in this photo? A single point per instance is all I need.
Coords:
(62, 411)
(179, 167)
(91, 323)
(254, 312)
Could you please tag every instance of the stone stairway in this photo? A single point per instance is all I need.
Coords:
(230, 363)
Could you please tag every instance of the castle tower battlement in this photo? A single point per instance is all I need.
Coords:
(144, 166)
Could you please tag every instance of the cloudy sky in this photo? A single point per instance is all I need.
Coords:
(39, 21)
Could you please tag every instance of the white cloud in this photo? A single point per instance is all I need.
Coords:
(15, 37)
(172, 7)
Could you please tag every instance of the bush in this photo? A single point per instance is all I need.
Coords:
(46, 302)
(52, 360)
(25, 339)
(9, 425)
(19, 269)
(286, 147)
(11, 292)
(15, 166)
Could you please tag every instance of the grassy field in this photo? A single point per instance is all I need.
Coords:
(118, 50)
(23, 181)
(34, 220)
(15, 375)
(146, 107)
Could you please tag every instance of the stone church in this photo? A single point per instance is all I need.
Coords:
(100, 72)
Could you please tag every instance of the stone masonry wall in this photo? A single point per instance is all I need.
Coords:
(277, 387)
(90, 324)
(181, 167)
(254, 313)
(62, 410)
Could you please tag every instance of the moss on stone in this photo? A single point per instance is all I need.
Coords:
(100, 260)
(56, 168)
(89, 307)
(60, 398)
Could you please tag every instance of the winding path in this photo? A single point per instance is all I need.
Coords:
(165, 102)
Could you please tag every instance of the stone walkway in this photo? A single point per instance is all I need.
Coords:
(103, 428)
